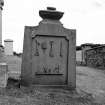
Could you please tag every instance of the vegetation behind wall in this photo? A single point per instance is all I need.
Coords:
(95, 57)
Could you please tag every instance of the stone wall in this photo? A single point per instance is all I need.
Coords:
(95, 57)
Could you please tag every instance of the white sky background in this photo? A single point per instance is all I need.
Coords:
(86, 16)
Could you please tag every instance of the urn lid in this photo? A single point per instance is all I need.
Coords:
(51, 13)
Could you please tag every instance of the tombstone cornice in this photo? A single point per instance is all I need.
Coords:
(1, 4)
(52, 22)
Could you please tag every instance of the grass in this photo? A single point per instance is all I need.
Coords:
(49, 96)
(41, 96)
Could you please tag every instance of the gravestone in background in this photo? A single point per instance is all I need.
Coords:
(3, 74)
(49, 55)
(3, 68)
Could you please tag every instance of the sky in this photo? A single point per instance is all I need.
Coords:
(86, 16)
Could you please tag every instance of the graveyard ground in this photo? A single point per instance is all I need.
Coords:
(90, 89)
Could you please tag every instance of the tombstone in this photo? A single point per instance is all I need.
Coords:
(8, 43)
(49, 52)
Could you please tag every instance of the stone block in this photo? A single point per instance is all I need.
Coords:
(49, 53)
(3, 74)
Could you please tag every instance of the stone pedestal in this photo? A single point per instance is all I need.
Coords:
(3, 74)
(49, 52)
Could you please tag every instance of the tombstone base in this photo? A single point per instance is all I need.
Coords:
(66, 87)
(27, 84)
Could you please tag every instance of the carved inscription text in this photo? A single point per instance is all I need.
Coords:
(50, 55)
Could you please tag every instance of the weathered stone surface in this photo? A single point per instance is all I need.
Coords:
(3, 68)
(49, 54)
(8, 43)
(95, 57)
(1, 8)
(2, 55)
(3, 74)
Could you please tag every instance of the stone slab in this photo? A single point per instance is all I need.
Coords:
(49, 54)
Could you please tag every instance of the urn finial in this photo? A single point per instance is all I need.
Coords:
(51, 14)
(1, 4)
